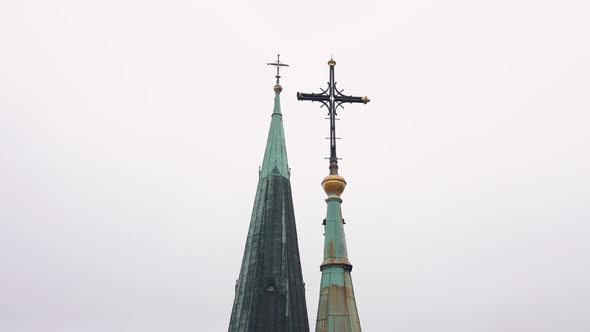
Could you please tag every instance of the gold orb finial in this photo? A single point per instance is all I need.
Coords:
(334, 185)
(332, 62)
(278, 88)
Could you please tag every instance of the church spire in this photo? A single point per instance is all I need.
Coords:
(270, 293)
(275, 154)
(337, 311)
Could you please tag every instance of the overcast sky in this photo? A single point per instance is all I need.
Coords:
(131, 133)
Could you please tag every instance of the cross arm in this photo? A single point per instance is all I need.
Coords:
(312, 96)
(351, 99)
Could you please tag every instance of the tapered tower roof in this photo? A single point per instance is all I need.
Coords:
(270, 293)
(337, 310)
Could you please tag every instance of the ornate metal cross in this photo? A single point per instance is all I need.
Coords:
(332, 98)
(279, 65)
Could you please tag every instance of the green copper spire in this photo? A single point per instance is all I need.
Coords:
(270, 293)
(275, 155)
(337, 310)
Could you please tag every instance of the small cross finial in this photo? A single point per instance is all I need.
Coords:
(278, 64)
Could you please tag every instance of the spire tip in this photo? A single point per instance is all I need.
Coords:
(278, 64)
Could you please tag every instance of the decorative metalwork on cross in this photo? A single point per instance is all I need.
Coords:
(278, 64)
(332, 98)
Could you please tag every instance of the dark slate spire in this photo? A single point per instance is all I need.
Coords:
(270, 293)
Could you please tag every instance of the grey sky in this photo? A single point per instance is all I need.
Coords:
(131, 133)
